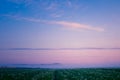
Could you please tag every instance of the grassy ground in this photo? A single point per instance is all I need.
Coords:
(59, 74)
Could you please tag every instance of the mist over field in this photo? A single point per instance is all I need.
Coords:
(85, 58)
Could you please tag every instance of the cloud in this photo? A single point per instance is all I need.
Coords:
(60, 49)
(77, 25)
(57, 14)
(52, 6)
(26, 2)
(60, 23)
(69, 3)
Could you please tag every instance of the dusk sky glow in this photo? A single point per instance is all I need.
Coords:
(84, 32)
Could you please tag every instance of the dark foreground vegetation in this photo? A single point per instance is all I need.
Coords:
(59, 74)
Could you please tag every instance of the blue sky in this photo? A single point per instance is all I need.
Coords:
(59, 23)
(55, 24)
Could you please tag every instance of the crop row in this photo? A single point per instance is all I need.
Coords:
(59, 74)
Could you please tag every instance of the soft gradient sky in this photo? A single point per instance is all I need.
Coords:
(55, 24)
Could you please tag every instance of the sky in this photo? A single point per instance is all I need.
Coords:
(79, 27)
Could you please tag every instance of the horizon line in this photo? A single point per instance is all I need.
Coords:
(87, 48)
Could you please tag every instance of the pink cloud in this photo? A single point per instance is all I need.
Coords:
(77, 25)
(60, 23)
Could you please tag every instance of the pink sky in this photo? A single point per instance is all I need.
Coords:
(82, 57)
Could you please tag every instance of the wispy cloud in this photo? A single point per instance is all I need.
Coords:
(60, 23)
(26, 2)
(60, 48)
(77, 25)
(69, 3)
(52, 6)
(56, 15)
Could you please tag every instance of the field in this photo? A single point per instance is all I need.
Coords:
(59, 74)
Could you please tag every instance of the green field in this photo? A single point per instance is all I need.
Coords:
(59, 74)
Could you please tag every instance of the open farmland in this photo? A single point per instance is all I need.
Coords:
(59, 74)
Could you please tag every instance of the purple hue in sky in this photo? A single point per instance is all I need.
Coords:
(56, 24)
(83, 58)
